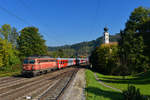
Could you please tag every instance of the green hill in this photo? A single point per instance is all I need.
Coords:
(80, 49)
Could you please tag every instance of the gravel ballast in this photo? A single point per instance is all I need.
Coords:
(75, 91)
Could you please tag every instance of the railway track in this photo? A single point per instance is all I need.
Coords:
(45, 87)
(7, 79)
(54, 93)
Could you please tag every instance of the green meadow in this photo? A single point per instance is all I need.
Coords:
(96, 91)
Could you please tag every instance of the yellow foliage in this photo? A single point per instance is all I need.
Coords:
(109, 45)
(1, 61)
(4, 52)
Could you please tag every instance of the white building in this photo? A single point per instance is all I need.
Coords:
(106, 36)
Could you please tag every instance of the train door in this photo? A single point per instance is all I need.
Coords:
(59, 63)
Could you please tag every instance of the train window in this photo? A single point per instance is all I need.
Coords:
(31, 61)
(70, 61)
(43, 60)
(25, 61)
(51, 60)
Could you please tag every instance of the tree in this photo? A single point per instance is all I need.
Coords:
(131, 43)
(104, 59)
(31, 43)
(13, 37)
(1, 59)
(144, 30)
(5, 31)
(139, 16)
(60, 53)
(4, 47)
(10, 34)
(8, 55)
(8, 52)
(131, 52)
(69, 52)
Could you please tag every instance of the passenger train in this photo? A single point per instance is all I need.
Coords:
(33, 66)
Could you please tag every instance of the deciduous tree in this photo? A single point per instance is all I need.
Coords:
(132, 44)
(5, 31)
(31, 43)
(8, 55)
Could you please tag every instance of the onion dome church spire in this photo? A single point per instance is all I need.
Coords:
(106, 36)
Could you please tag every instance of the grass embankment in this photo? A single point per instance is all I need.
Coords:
(95, 91)
(141, 81)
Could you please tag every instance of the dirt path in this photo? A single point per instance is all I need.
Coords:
(105, 84)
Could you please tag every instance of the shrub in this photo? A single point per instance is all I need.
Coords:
(104, 59)
(133, 94)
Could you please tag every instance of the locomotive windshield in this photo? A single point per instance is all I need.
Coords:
(27, 61)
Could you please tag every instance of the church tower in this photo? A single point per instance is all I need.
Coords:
(106, 36)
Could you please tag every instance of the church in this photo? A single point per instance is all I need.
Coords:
(106, 38)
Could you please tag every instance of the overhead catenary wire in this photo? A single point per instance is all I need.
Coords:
(29, 8)
(22, 19)
(14, 15)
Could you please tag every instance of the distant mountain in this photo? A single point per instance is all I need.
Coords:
(82, 48)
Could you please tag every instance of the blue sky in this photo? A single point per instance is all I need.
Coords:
(64, 22)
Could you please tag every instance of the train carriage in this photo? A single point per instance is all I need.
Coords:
(64, 62)
(71, 61)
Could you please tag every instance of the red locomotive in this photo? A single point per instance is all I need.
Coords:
(33, 66)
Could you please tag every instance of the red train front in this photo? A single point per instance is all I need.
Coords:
(33, 66)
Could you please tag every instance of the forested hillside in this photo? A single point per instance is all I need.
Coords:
(80, 49)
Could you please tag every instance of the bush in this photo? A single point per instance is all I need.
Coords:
(8, 55)
(104, 59)
(133, 94)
